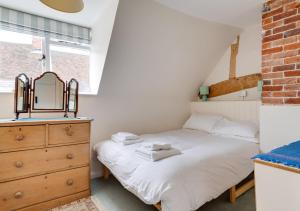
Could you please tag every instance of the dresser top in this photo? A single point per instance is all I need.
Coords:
(29, 121)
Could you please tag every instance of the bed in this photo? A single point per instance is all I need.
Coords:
(208, 166)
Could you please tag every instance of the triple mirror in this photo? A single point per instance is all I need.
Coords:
(47, 93)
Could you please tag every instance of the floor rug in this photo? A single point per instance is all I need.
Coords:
(85, 204)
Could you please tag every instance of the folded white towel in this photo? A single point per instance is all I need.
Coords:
(156, 155)
(126, 136)
(157, 146)
(119, 140)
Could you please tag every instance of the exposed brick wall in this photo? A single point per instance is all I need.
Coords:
(281, 52)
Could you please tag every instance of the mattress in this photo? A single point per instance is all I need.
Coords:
(208, 166)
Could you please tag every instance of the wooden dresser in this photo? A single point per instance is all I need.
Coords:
(44, 162)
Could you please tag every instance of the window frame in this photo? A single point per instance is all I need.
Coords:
(46, 60)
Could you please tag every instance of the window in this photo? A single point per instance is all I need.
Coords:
(33, 55)
(71, 62)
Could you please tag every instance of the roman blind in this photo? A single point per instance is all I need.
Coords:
(22, 22)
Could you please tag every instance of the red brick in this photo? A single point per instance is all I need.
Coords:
(267, 82)
(266, 57)
(298, 93)
(272, 13)
(285, 54)
(292, 19)
(292, 73)
(285, 1)
(292, 100)
(266, 94)
(268, 33)
(284, 81)
(273, 37)
(284, 67)
(292, 32)
(273, 25)
(267, 21)
(284, 41)
(292, 46)
(274, 4)
(272, 50)
(274, 62)
(290, 6)
(266, 45)
(272, 75)
(284, 15)
(292, 87)
(266, 70)
(272, 88)
(269, 100)
(292, 60)
(284, 28)
(285, 94)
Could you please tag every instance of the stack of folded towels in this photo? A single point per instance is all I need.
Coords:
(126, 138)
(156, 151)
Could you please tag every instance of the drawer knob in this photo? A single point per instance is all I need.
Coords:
(20, 137)
(68, 131)
(18, 195)
(19, 164)
(70, 156)
(70, 182)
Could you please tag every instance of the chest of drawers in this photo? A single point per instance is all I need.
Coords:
(44, 163)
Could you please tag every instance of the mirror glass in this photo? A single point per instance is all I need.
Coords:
(48, 92)
(22, 89)
(72, 97)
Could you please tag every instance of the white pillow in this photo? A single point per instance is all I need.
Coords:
(254, 140)
(232, 128)
(204, 122)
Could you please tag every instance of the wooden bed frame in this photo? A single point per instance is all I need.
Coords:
(238, 110)
(235, 191)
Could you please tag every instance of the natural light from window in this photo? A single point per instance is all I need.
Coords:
(33, 55)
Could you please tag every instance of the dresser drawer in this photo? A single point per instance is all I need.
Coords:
(18, 137)
(27, 163)
(25, 192)
(69, 133)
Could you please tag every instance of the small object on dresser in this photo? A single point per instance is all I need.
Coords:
(204, 92)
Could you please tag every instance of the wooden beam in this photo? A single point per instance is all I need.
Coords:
(233, 55)
(234, 85)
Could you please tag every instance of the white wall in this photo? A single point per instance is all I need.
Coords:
(248, 62)
(279, 125)
(156, 61)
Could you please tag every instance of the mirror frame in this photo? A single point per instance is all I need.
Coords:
(26, 96)
(76, 97)
(37, 110)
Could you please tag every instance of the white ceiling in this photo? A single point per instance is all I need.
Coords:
(239, 13)
(86, 17)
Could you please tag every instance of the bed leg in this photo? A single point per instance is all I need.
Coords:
(236, 192)
(158, 206)
(232, 194)
(106, 172)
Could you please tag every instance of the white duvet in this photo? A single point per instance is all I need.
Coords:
(208, 166)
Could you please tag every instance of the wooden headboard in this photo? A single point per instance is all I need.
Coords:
(236, 110)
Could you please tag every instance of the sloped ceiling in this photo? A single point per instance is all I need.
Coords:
(239, 13)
